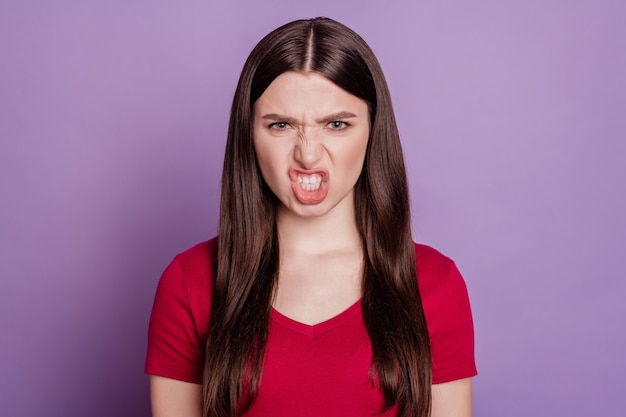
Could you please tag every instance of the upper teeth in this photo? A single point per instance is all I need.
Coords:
(310, 182)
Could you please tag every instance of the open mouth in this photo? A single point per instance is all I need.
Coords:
(310, 182)
(309, 187)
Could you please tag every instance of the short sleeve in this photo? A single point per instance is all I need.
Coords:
(452, 332)
(174, 343)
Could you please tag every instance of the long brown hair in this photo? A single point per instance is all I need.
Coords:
(247, 261)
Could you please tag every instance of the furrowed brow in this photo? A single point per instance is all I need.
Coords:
(279, 118)
(337, 116)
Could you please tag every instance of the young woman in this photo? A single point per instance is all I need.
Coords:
(313, 300)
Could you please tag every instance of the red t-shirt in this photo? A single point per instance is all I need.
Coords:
(320, 370)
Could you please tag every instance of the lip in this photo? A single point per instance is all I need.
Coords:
(309, 197)
(294, 172)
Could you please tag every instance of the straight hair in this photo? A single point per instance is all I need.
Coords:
(247, 262)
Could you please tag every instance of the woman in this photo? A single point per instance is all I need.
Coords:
(307, 302)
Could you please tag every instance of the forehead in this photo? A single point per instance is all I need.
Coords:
(294, 93)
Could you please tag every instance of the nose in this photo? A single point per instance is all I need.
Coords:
(307, 151)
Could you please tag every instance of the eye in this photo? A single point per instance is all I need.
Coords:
(337, 125)
(279, 125)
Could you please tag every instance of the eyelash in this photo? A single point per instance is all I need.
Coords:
(284, 125)
(342, 124)
(276, 125)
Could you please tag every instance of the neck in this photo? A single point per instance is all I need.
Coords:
(336, 230)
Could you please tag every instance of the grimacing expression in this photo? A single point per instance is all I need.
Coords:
(310, 138)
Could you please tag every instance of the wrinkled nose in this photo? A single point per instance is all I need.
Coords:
(307, 152)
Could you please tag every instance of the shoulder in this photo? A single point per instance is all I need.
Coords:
(438, 277)
(200, 256)
(196, 269)
(433, 269)
(188, 281)
(448, 315)
(430, 259)
(180, 315)
(195, 265)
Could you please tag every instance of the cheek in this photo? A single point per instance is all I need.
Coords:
(355, 155)
(265, 154)
(270, 159)
(264, 163)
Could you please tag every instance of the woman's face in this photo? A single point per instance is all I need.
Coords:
(310, 138)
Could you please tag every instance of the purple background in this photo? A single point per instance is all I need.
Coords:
(112, 127)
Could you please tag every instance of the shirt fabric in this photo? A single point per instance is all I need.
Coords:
(318, 370)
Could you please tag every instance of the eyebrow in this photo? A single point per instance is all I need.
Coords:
(326, 119)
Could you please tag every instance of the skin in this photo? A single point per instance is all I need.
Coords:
(305, 125)
(173, 398)
(297, 128)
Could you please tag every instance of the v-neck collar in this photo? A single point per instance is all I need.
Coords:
(319, 328)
